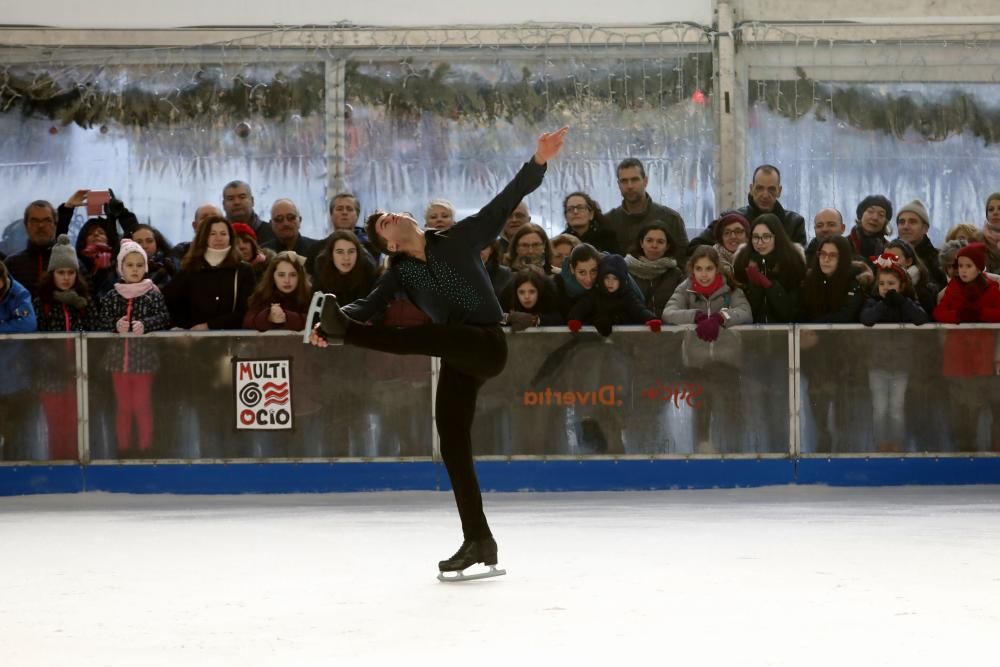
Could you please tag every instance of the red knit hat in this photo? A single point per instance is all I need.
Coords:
(728, 218)
(976, 252)
(241, 228)
(889, 262)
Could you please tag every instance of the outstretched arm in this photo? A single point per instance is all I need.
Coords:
(480, 229)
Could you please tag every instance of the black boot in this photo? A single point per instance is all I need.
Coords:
(483, 550)
(333, 323)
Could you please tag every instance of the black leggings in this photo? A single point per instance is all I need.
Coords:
(470, 355)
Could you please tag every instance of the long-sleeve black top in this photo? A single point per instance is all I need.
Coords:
(452, 286)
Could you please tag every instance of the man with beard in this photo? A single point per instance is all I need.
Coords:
(638, 208)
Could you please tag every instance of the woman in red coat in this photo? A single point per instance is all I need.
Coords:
(969, 356)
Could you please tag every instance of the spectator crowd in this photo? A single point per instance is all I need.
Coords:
(631, 265)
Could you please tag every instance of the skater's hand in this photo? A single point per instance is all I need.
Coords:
(317, 339)
(138, 327)
(574, 325)
(122, 326)
(655, 325)
(277, 315)
(549, 145)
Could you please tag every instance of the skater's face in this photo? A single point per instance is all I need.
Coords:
(967, 270)
(395, 229)
(654, 244)
(64, 279)
(888, 282)
(611, 283)
(218, 236)
(286, 277)
(527, 295)
(829, 257)
(245, 248)
(585, 273)
(438, 217)
(762, 239)
(133, 268)
(345, 256)
(704, 271)
(144, 237)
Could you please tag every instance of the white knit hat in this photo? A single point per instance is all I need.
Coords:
(129, 246)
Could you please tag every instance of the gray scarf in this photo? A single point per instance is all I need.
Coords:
(70, 298)
(649, 269)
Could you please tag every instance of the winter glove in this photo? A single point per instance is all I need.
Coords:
(100, 253)
(756, 277)
(138, 327)
(122, 326)
(893, 298)
(115, 207)
(575, 325)
(519, 321)
(967, 314)
(708, 329)
(654, 325)
(603, 327)
(700, 317)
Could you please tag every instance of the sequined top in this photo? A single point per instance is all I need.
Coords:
(452, 286)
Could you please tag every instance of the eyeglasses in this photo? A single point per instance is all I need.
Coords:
(530, 246)
(828, 255)
(576, 208)
(291, 217)
(762, 238)
(732, 233)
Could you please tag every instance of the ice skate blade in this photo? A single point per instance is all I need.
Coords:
(315, 309)
(461, 576)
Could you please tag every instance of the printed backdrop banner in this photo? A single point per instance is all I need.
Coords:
(263, 394)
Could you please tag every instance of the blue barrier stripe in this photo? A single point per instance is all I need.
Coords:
(504, 476)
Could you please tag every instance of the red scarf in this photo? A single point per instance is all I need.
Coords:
(709, 289)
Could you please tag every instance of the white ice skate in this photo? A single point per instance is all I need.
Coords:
(315, 309)
(493, 571)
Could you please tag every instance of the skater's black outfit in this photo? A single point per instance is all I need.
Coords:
(455, 291)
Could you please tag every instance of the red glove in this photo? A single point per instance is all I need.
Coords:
(575, 325)
(708, 329)
(756, 277)
(699, 317)
(654, 325)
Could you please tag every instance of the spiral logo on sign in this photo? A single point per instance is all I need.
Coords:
(250, 394)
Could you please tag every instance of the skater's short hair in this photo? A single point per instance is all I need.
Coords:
(373, 236)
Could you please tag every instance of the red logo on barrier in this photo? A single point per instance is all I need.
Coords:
(687, 393)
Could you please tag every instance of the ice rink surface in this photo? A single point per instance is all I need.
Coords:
(775, 576)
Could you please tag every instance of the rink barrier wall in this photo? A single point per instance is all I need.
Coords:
(779, 461)
(497, 476)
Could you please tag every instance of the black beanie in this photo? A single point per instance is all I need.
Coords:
(875, 200)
